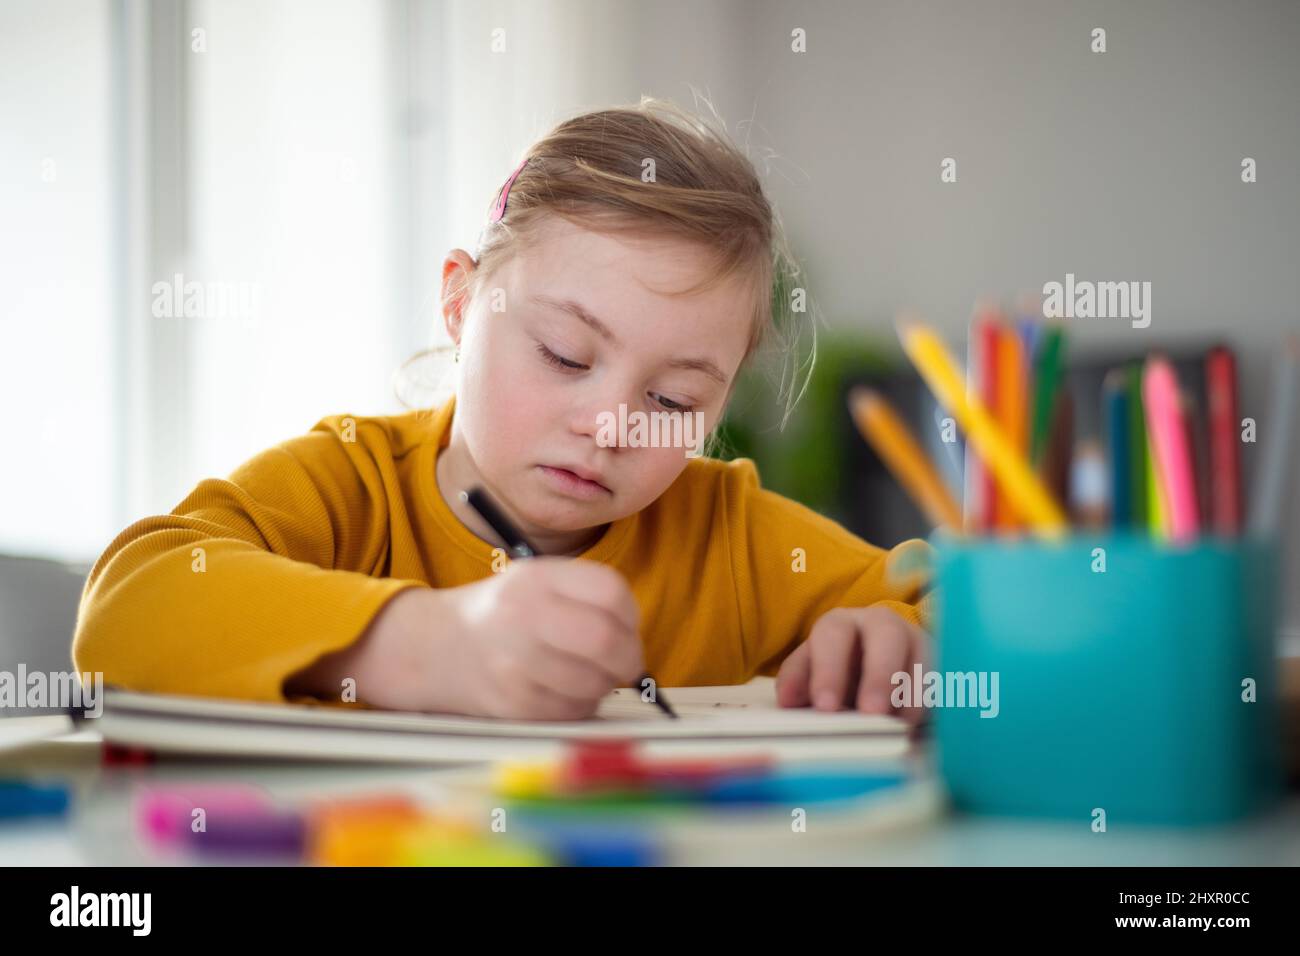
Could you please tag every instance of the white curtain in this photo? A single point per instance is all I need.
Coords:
(58, 356)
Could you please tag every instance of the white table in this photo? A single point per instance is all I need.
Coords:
(99, 830)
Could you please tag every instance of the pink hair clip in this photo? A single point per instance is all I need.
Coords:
(499, 209)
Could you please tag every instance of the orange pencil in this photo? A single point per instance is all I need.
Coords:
(893, 442)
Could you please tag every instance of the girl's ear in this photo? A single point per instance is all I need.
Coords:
(457, 271)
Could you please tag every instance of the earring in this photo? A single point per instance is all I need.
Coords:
(456, 356)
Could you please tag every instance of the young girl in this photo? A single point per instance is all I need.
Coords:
(344, 566)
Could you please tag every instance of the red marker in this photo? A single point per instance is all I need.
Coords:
(116, 755)
(616, 765)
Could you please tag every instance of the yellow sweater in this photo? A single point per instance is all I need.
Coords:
(252, 578)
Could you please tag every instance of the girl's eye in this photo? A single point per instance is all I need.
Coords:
(672, 406)
(567, 365)
(557, 360)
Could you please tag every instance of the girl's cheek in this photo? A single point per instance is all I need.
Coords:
(663, 466)
(512, 375)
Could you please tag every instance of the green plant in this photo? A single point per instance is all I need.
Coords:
(805, 460)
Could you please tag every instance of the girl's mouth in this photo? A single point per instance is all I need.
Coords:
(570, 483)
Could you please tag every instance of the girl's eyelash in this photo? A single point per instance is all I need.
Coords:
(566, 365)
(675, 406)
(558, 361)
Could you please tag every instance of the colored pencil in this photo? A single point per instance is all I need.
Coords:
(1225, 443)
(893, 442)
(1157, 513)
(1140, 482)
(1011, 409)
(1169, 441)
(1047, 378)
(1115, 416)
(1012, 472)
(980, 490)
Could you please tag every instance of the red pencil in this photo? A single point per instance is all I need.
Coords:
(1225, 450)
(1010, 408)
(982, 372)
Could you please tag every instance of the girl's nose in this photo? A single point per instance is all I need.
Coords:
(600, 414)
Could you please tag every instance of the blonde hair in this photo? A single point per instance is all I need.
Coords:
(704, 190)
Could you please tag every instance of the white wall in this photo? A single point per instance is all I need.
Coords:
(565, 57)
(1116, 166)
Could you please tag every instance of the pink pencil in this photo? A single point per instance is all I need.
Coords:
(1169, 443)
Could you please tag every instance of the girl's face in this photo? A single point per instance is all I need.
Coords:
(553, 344)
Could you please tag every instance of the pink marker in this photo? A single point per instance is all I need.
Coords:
(165, 814)
(1169, 443)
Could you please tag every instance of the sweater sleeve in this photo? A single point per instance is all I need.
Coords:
(792, 565)
(250, 578)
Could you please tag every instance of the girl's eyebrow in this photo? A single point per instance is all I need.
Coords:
(577, 310)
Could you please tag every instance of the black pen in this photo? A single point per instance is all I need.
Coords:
(518, 547)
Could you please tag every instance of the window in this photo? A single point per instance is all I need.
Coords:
(279, 165)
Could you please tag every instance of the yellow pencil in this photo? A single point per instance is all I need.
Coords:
(1155, 498)
(1027, 494)
(889, 436)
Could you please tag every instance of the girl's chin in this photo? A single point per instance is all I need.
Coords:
(568, 528)
(567, 520)
(549, 516)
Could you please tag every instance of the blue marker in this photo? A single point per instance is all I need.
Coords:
(19, 799)
(587, 844)
(798, 787)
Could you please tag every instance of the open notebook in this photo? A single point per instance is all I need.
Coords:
(712, 720)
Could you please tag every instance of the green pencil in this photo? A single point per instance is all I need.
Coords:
(1137, 449)
(1047, 380)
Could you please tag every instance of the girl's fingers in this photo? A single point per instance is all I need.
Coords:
(834, 650)
(537, 702)
(593, 583)
(887, 644)
(792, 679)
(593, 634)
(920, 654)
(569, 676)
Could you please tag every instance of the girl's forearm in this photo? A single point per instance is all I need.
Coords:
(371, 668)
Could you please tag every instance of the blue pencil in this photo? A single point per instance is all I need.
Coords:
(1115, 414)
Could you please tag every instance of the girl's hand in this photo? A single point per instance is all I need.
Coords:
(849, 660)
(545, 639)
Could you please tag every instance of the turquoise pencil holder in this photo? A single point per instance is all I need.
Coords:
(1124, 678)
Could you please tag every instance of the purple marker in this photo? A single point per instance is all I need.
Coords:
(261, 832)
